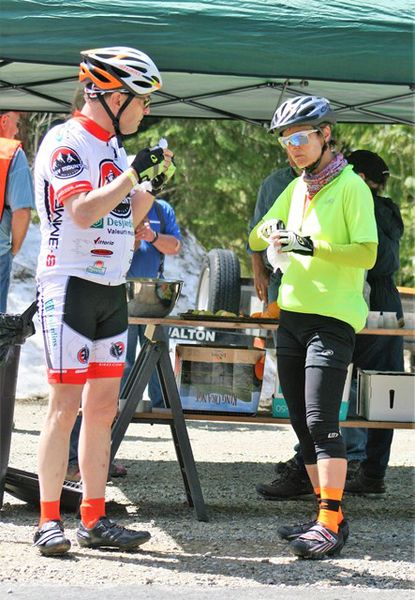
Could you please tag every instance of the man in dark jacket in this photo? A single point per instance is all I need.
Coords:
(370, 448)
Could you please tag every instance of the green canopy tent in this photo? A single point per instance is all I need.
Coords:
(219, 59)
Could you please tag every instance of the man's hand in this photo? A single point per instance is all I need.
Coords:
(261, 276)
(289, 241)
(148, 164)
(160, 181)
(144, 232)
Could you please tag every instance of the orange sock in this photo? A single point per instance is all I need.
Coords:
(317, 493)
(92, 509)
(329, 508)
(49, 511)
(340, 516)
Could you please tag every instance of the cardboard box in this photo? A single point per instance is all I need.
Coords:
(280, 408)
(386, 396)
(218, 379)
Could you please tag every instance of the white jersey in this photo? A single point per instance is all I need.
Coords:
(75, 157)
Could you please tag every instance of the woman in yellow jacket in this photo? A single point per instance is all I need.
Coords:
(329, 233)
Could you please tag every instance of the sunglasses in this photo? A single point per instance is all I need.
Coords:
(299, 138)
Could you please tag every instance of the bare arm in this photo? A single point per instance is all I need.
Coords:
(261, 276)
(87, 208)
(19, 226)
(167, 244)
(164, 242)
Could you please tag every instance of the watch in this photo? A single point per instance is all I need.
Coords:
(156, 237)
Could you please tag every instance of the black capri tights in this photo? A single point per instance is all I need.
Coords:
(313, 397)
(313, 356)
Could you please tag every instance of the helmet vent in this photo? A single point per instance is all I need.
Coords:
(100, 76)
(144, 84)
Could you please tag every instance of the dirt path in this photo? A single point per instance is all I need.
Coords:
(239, 546)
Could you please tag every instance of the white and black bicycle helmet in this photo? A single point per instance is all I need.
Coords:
(302, 110)
(119, 69)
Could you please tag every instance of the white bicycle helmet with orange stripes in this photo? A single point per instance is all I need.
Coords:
(119, 69)
(302, 110)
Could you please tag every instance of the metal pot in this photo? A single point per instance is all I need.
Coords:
(148, 297)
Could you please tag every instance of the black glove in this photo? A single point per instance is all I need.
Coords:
(160, 181)
(148, 164)
(292, 242)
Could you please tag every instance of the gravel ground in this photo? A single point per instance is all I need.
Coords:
(238, 547)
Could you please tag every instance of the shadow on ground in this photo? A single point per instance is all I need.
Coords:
(251, 549)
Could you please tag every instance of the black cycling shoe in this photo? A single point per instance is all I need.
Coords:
(51, 540)
(362, 485)
(317, 543)
(292, 532)
(106, 534)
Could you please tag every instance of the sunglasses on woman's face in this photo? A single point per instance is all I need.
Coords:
(299, 138)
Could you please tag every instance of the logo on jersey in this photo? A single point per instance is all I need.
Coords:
(99, 241)
(83, 355)
(108, 172)
(97, 268)
(101, 252)
(98, 224)
(50, 260)
(66, 163)
(117, 349)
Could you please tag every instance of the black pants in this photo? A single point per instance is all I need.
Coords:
(313, 353)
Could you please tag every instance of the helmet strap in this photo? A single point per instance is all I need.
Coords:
(115, 119)
(315, 164)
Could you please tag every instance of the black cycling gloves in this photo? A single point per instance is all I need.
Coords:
(160, 181)
(148, 164)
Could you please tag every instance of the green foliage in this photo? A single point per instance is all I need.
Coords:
(220, 165)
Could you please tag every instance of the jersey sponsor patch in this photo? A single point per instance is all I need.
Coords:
(97, 268)
(65, 163)
(101, 252)
(108, 172)
(83, 355)
(117, 349)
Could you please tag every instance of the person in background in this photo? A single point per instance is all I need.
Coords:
(89, 202)
(16, 198)
(157, 236)
(331, 239)
(267, 282)
(369, 449)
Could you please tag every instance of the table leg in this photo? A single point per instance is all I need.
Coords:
(180, 437)
(155, 353)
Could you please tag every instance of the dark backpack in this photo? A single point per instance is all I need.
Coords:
(160, 215)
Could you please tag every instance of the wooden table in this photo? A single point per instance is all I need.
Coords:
(155, 355)
(269, 325)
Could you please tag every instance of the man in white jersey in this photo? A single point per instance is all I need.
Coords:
(89, 202)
